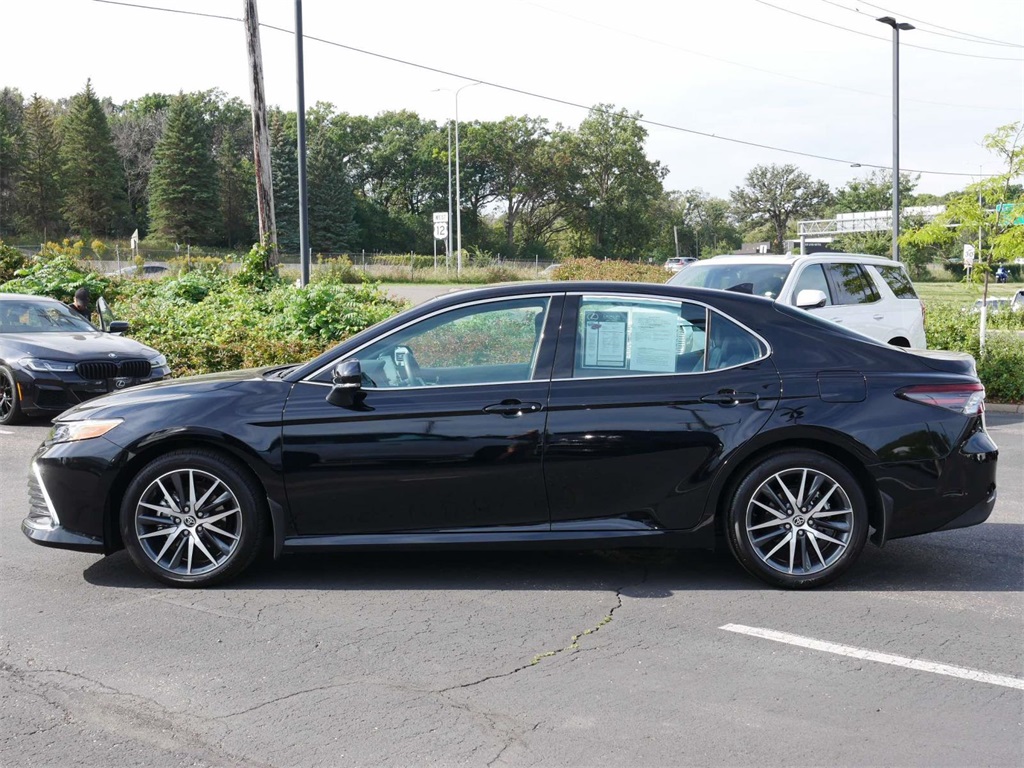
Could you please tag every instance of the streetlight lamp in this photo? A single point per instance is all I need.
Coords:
(896, 27)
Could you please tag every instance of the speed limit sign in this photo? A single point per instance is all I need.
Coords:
(440, 230)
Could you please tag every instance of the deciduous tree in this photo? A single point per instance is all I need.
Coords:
(775, 195)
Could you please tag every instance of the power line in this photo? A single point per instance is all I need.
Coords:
(876, 37)
(673, 46)
(565, 102)
(169, 10)
(957, 36)
(937, 26)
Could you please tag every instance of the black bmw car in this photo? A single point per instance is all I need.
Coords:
(543, 414)
(51, 358)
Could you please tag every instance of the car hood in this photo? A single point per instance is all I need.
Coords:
(155, 392)
(75, 346)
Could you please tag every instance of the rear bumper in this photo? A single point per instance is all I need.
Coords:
(976, 515)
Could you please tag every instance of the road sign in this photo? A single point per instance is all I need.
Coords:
(440, 230)
(968, 255)
(441, 217)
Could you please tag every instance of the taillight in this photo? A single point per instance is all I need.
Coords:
(967, 398)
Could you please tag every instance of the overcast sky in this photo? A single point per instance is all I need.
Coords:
(740, 69)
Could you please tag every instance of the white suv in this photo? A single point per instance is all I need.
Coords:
(868, 294)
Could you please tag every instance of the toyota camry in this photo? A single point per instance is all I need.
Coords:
(540, 414)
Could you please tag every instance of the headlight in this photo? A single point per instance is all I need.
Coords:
(158, 362)
(47, 366)
(69, 431)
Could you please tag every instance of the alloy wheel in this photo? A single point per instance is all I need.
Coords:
(188, 522)
(799, 521)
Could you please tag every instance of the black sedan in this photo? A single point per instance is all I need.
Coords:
(543, 414)
(51, 358)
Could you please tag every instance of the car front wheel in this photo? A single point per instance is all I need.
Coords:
(10, 403)
(192, 518)
(798, 519)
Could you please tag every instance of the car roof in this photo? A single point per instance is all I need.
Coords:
(794, 258)
(25, 297)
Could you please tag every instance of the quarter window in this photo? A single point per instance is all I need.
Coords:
(490, 343)
(617, 337)
(852, 284)
(898, 281)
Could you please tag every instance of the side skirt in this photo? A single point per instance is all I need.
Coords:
(702, 538)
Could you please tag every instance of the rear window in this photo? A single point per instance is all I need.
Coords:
(758, 279)
(898, 282)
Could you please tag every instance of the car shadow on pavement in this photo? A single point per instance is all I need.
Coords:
(983, 559)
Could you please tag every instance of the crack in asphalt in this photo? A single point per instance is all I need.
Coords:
(572, 646)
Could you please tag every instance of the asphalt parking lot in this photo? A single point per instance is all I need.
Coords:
(915, 658)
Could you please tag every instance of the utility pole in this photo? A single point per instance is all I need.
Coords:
(300, 114)
(260, 135)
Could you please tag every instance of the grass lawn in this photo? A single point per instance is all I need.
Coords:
(961, 294)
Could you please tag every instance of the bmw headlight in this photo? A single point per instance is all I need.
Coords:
(42, 365)
(158, 362)
(69, 431)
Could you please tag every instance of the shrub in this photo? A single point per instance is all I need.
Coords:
(256, 271)
(336, 270)
(11, 260)
(57, 276)
(999, 368)
(611, 269)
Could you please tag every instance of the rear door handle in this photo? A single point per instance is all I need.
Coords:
(729, 397)
(512, 408)
(879, 317)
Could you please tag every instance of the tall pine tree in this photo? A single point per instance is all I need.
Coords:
(39, 192)
(94, 186)
(332, 228)
(285, 168)
(183, 200)
(11, 106)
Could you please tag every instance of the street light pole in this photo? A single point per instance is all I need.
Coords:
(896, 27)
(448, 240)
(458, 187)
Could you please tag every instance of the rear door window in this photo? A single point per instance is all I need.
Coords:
(851, 284)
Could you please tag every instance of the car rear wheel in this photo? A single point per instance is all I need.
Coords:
(798, 519)
(10, 403)
(192, 518)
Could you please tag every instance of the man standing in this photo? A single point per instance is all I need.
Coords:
(80, 306)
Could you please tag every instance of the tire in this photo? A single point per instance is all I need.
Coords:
(193, 518)
(10, 403)
(801, 545)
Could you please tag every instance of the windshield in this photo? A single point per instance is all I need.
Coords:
(758, 279)
(40, 317)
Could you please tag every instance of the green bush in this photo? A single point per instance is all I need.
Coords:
(57, 276)
(11, 260)
(611, 269)
(336, 270)
(1000, 368)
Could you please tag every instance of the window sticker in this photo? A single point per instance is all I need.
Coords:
(655, 341)
(604, 339)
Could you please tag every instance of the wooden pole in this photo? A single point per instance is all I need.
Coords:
(260, 135)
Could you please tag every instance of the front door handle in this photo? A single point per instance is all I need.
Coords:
(512, 408)
(878, 317)
(729, 397)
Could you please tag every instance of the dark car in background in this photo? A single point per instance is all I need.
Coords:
(582, 414)
(51, 358)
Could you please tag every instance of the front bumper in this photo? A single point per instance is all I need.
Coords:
(53, 393)
(50, 535)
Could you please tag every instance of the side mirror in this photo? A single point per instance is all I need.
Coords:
(117, 326)
(811, 299)
(347, 381)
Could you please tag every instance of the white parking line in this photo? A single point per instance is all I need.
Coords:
(882, 658)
